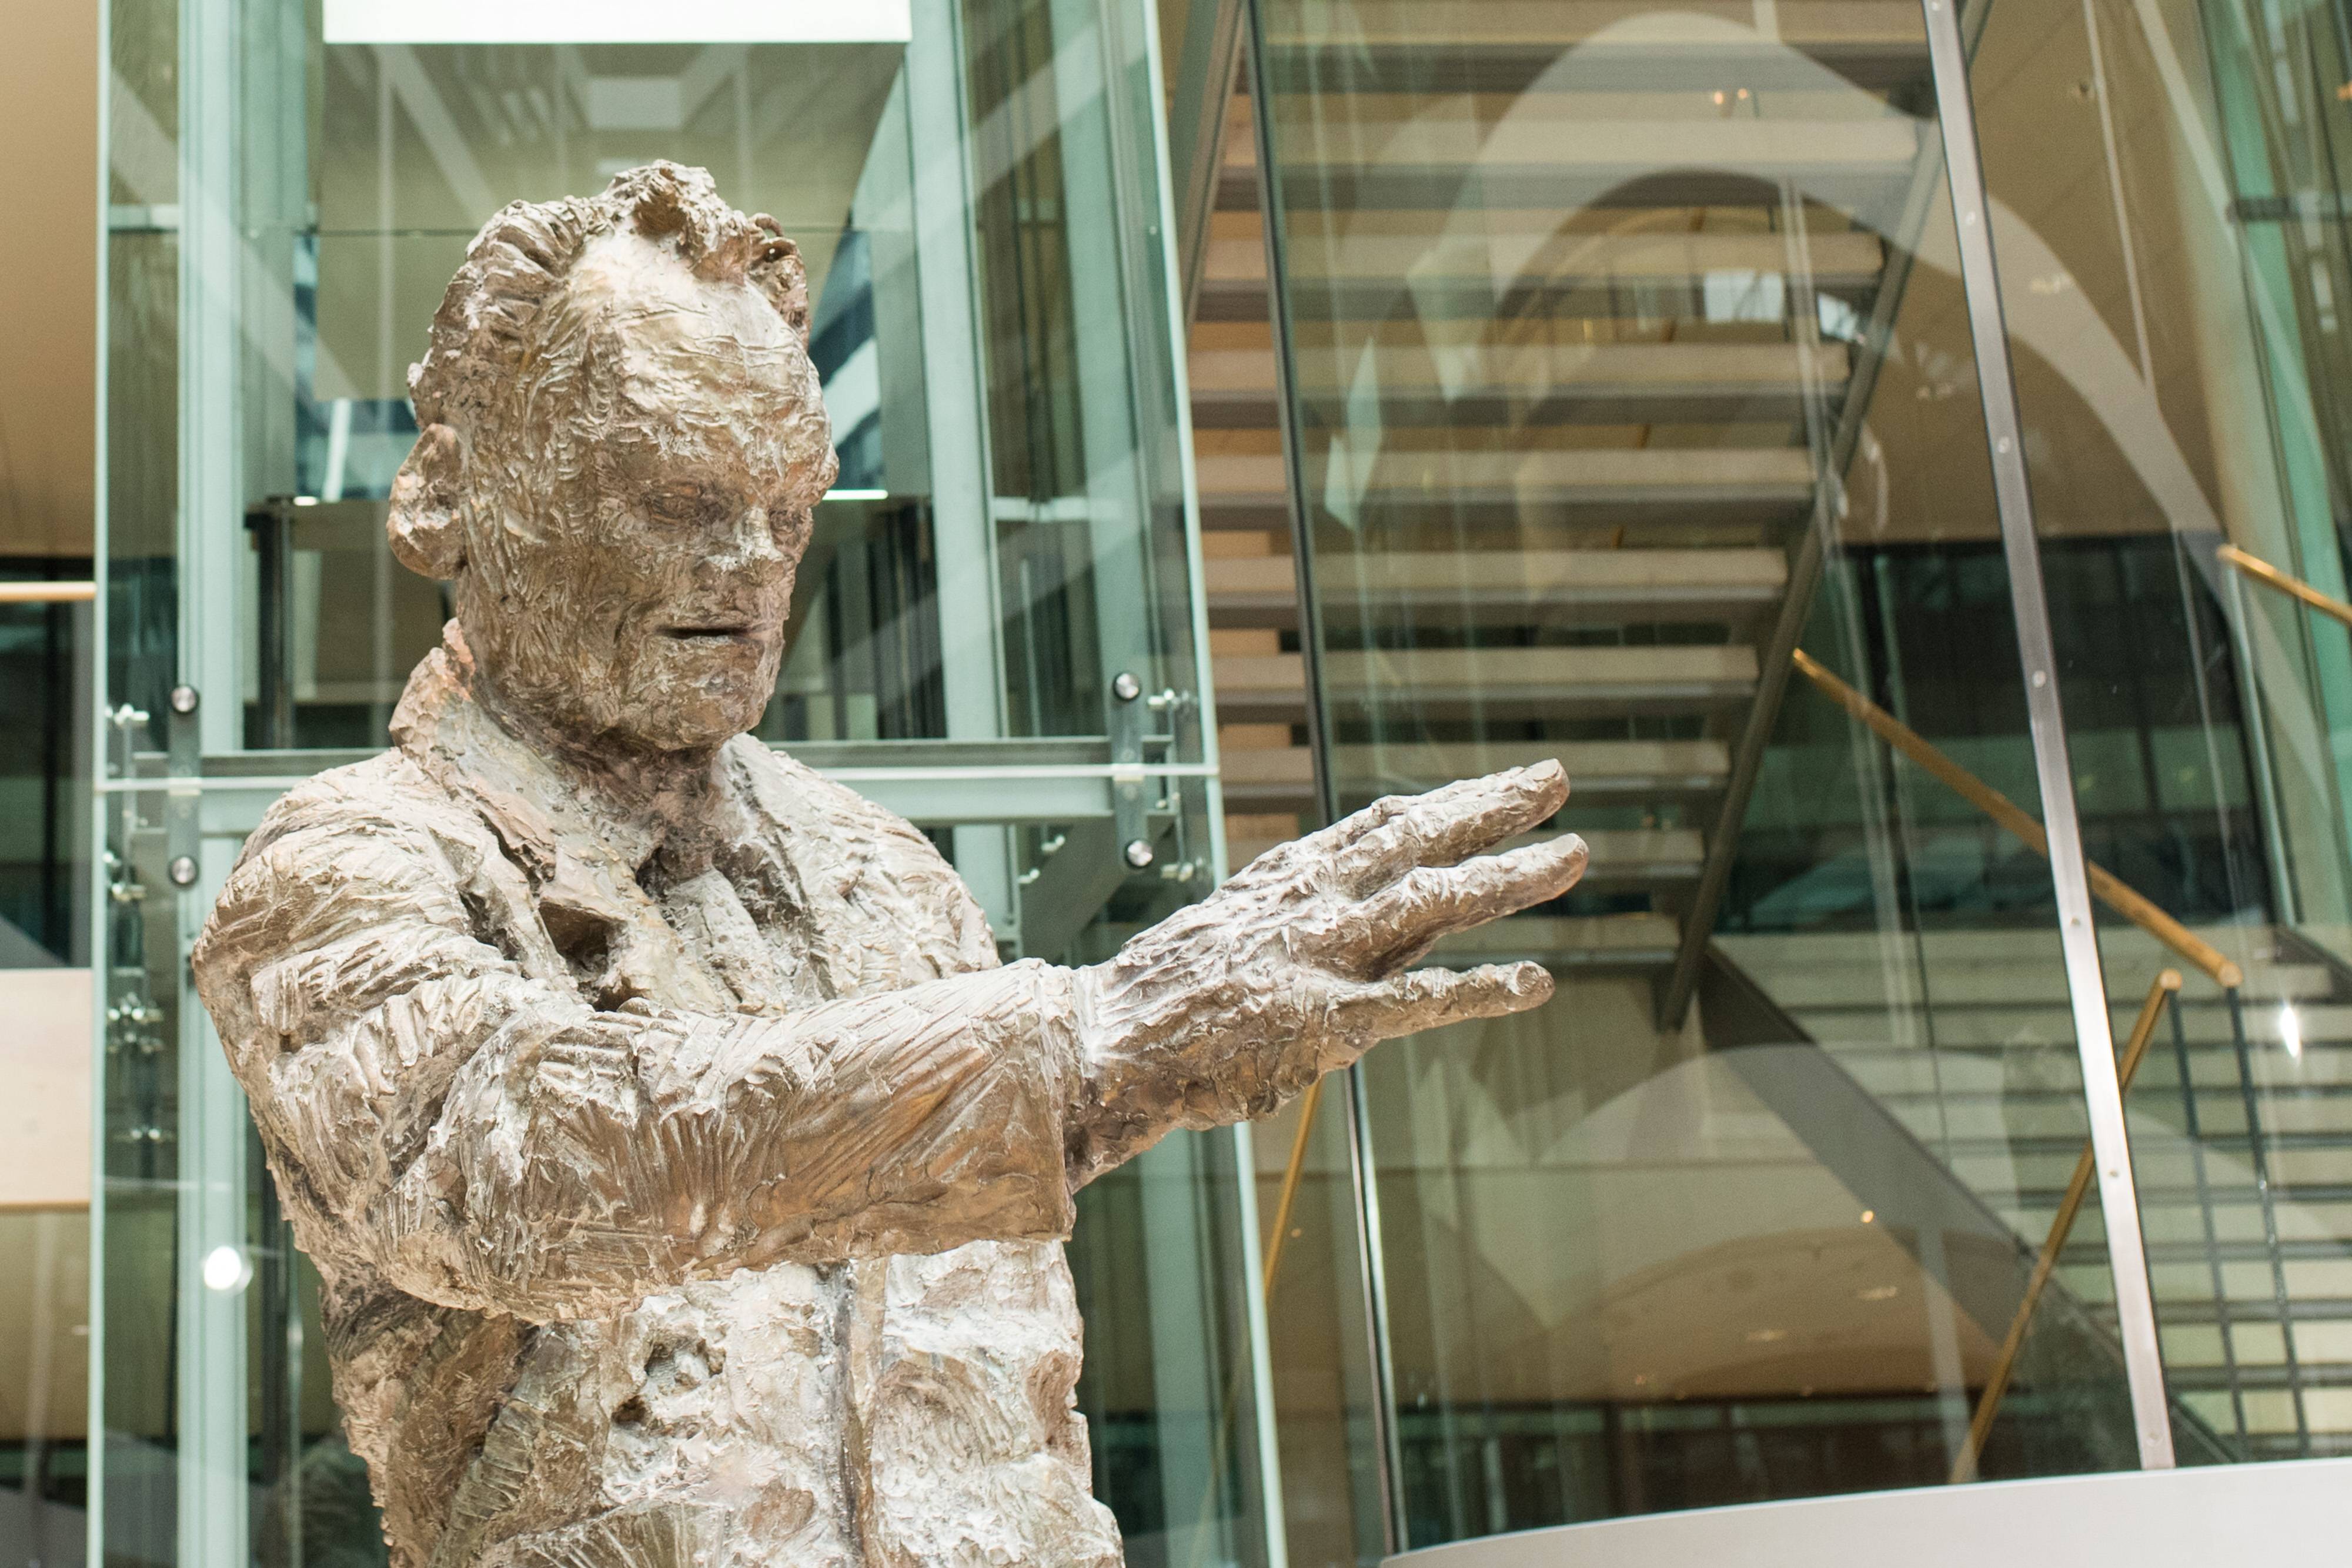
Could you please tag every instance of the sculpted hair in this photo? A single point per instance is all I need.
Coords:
(485, 327)
(490, 336)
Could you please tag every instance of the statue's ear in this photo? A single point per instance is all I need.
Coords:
(427, 519)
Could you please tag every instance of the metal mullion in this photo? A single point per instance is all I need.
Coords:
(211, 1523)
(1387, 1466)
(2085, 984)
(944, 197)
(2224, 1322)
(102, 753)
(1273, 1516)
(1208, 71)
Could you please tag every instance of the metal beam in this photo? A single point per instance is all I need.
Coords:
(1205, 78)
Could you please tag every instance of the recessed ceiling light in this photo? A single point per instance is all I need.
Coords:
(618, 22)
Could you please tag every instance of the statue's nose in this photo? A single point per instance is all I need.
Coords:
(753, 546)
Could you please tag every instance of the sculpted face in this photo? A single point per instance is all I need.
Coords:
(638, 506)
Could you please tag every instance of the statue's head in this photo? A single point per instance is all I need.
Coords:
(622, 445)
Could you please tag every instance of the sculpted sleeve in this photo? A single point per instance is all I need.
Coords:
(452, 1116)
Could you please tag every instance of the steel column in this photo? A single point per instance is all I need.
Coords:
(2087, 987)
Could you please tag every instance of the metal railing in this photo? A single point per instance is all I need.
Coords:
(2134, 907)
(48, 593)
(2166, 985)
(2271, 577)
(2105, 886)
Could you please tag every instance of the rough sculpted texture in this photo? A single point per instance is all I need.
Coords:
(687, 1176)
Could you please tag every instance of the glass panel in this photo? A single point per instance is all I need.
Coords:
(980, 211)
(1629, 359)
(44, 823)
(2167, 194)
(1319, 1345)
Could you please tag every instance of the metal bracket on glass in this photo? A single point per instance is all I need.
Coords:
(136, 1024)
(1136, 799)
(182, 808)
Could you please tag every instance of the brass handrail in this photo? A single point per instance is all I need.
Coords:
(2269, 576)
(1964, 1465)
(46, 592)
(2105, 886)
(1306, 1104)
(1222, 1443)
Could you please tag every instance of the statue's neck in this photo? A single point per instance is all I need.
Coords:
(662, 789)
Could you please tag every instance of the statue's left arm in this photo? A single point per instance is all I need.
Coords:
(471, 1130)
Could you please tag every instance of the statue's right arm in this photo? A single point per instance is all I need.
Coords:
(485, 1139)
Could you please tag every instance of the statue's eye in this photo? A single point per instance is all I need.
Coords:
(788, 521)
(679, 504)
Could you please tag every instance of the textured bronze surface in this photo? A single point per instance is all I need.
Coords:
(686, 1178)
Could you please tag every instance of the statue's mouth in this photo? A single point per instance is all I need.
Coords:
(727, 633)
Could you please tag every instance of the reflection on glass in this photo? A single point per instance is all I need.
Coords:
(415, 147)
(2166, 216)
(1627, 355)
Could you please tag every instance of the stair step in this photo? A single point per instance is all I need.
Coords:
(2018, 1118)
(1607, 941)
(1610, 31)
(1530, 385)
(2254, 947)
(1824, 972)
(1594, 486)
(1627, 857)
(1591, 484)
(2037, 1010)
(1500, 682)
(1443, 65)
(1641, 857)
(1826, 989)
(1645, 771)
(1507, 271)
(1528, 155)
(2220, 1111)
(1487, 587)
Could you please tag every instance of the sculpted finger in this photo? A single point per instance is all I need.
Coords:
(1429, 998)
(1448, 826)
(1349, 828)
(1400, 923)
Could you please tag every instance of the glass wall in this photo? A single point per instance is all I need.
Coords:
(1621, 371)
(994, 631)
(2168, 217)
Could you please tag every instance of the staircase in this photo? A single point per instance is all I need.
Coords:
(1977, 1068)
(1560, 275)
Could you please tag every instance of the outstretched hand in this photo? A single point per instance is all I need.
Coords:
(1300, 963)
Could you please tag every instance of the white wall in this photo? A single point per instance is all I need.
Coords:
(45, 1077)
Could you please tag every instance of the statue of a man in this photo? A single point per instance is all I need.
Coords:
(687, 1179)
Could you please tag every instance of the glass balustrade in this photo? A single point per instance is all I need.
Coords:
(2165, 189)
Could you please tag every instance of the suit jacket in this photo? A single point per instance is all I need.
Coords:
(687, 1185)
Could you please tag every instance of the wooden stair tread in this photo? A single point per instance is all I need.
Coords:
(1563, 24)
